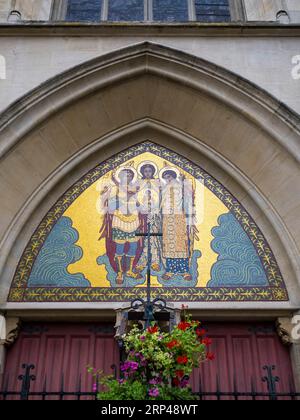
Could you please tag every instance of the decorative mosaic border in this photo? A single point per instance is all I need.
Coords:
(21, 293)
(75, 294)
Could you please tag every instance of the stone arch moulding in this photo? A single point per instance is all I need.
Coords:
(20, 124)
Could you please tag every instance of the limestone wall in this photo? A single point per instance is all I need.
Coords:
(266, 10)
(266, 62)
(29, 9)
(34, 9)
(294, 10)
(5, 6)
(263, 10)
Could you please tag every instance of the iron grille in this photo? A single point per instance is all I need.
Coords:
(27, 378)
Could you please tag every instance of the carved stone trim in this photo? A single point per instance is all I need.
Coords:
(59, 10)
(2, 329)
(237, 10)
(284, 328)
(13, 326)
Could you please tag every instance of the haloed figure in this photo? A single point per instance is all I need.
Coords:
(149, 202)
(122, 223)
(176, 240)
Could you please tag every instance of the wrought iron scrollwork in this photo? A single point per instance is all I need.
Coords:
(26, 379)
(271, 381)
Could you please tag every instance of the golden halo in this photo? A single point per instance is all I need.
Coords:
(123, 168)
(147, 162)
(166, 169)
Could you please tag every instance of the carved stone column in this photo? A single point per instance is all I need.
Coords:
(289, 332)
(295, 354)
(295, 349)
(2, 340)
(2, 346)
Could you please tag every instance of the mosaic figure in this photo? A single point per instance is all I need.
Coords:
(176, 206)
(122, 222)
(149, 200)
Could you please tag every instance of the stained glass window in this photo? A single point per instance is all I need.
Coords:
(170, 10)
(126, 10)
(212, 10)
(84, 10)
(148, 10)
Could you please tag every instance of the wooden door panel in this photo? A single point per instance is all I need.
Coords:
(59, 350)
(242, 349)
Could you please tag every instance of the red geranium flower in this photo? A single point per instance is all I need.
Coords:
(172, 344)
(207, 342)
(153, 330)
(200, 332)
(176, 382)
(184, 326)
(210, 356)
(182, 360)
(179, 374)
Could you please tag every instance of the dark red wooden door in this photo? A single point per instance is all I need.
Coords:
(55, 349)
(242, 350)
(62, 349)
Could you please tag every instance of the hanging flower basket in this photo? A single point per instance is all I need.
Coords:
(159, 365)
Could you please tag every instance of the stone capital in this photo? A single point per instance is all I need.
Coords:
(288, 330)
(9, 330)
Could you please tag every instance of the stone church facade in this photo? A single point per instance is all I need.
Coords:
(208, 92)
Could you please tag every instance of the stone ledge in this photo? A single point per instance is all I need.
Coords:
(92, 312)
(195, 29)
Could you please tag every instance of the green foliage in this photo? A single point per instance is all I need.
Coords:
(130, 390)
(158, 365)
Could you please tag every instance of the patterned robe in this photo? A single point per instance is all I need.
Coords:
(176, 241)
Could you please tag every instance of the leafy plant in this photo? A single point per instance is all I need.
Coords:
(158, 364)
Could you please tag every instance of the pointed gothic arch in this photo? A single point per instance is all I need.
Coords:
(147, 80)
